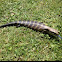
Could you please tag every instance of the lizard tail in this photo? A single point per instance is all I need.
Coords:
(9, 24)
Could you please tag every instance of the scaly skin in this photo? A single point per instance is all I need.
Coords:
(33, 25)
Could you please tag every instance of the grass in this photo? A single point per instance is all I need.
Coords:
(24, 44)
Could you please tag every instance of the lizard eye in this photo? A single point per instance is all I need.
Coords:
(46, 30)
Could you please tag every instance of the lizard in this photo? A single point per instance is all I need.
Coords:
(39, 26)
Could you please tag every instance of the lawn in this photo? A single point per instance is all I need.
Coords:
(25, 44)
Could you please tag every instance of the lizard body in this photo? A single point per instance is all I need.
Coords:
(33, 25)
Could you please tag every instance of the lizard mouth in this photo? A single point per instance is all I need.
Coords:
(53, 31)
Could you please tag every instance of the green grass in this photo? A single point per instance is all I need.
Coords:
(24, 44)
